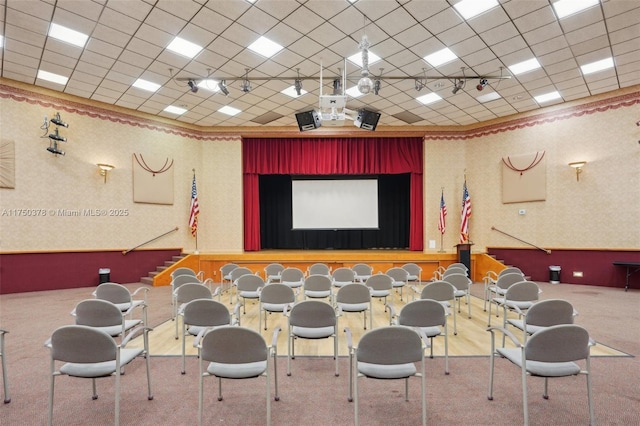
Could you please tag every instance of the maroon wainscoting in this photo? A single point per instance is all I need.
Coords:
(22, 272)
(596, 265)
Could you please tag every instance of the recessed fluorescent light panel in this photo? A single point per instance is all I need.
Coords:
(440, 57)
(470, 8)
(291, 91)
(184, 47)
(68, 35)
(265, 47)
(54, 78)
(428, 98)
(175, 110)
(1, 41)
(146, 85)
(547, 97)
(601, 65)
(229, 110)
(353, 92)
(524, 66)
(565, 8)
(356, 58)
(488, 97)
(209, 84)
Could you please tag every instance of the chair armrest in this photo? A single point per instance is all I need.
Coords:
(507, 333)
(392, 313)
(274, 339)
(133, 333)
(425, 340)
(349, 338)
(236, 310)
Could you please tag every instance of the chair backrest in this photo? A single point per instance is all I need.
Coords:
(343, 275)
(438, 290)
(454, 270)
(180, 280)
(312, 314)
(353, 293)
(524, 291)
(227, 268)
(206, 313)
(398, 274)
(458, 265)
(558, 343)
(249, 282)
(97, 313)
(362, 269)
(317, 283)
(390, 346)
(510, 270)
(292, 275)
(240, 271)
(412, 269)
(233, 345)
(113, 292)
(459, 281)
(277, 293)
(550, 312)
(82, 344)
(192, 291)
(273, 270)
(422, 313)
(319, 269)
(379, 282)
(183, 271)
(506, 280)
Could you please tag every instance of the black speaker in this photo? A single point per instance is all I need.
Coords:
(367, 120)
(308, 120)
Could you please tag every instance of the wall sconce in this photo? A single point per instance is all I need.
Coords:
(578, 165)
(104, 169)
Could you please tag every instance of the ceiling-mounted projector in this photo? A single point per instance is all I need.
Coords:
(58, 121)
(332, 110)
(56, 137)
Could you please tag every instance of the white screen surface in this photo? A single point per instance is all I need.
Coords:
(335, 204)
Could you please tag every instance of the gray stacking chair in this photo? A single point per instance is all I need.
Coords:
(415, 274)
(518, 298)
(292, 277)
(274, 297)
(462, 285)
(225, 275)
(199, 314)
(498, 283)
(543, 314)
(105, 316)
(272, 272)
(318, 287)
(123, 298)
(5, 382)
(400, 279)
(444, 293)
(235, 274)
(430, 316)
(312, 319)
(343, 276)
(188, 292)
(355, 298)
(233, 352)
(380, 286)
(89, 353)
(362, 272)
(248, 287)
(187, 271)
(176, 282)
(319, 269)
(550, 352)
(388, 353)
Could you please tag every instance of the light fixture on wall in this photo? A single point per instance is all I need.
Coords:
(578, 165)
(104, 169)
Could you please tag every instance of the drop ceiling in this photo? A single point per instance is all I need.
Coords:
(128, 41)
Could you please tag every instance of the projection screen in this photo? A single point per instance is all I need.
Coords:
(335, 203)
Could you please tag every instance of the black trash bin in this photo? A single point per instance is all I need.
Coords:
(554, 274)
(105, 275)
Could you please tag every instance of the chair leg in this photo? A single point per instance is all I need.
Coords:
(525, 399)
(275, 374)
(268, 380)
(200, 391)
(335, 349)
(51, 386)
(5, 383)
(289, 351)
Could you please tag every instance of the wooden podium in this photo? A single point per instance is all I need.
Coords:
(464, 255)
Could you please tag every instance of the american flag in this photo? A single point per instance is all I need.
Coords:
(443, 214)
(195, 209)
(465, 215)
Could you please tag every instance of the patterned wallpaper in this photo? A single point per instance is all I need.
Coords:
(58, 203)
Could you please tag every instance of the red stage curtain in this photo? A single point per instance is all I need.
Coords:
(330, 156)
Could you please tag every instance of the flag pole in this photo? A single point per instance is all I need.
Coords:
(441, 224)
(196, 250)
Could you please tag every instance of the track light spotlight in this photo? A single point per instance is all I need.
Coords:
(193, 86)
(483, 82)
(56, 136)
(222, 86)
(58, 121)
(54, 149)
(376, 86)
(459, 84)
(298, 86)
(246, 84)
